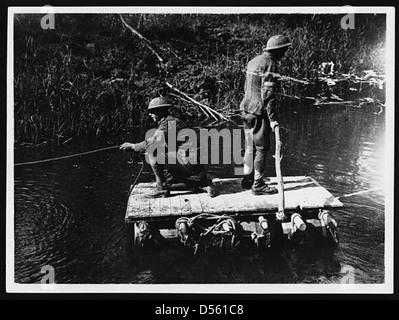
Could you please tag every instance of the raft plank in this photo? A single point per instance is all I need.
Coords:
(194, 203)
(217, 205)
(204, 200)
(229, 205)
(164, 206)
(228, 187)
(299, 191)
(175, 206)
(154, 207)
(185, 205)
(144, 208)
(245, 201)
(136, 193)
(320, 195)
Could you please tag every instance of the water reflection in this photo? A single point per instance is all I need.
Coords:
(70, 214)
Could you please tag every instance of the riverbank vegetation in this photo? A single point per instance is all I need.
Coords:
(92, 76)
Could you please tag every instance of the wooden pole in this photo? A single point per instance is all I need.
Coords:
(280, 185)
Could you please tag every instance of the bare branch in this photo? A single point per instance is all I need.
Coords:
(203, 107)
(146, 41)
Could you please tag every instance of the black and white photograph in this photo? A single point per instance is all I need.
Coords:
(200, 150)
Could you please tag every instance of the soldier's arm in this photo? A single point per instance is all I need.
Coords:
(156, 137)
(269, 88)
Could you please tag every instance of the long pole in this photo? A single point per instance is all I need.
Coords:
(280, 185)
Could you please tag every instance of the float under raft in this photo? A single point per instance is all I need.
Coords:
(301, 193)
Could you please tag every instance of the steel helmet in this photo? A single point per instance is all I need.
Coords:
(159, 102)
(277, 42)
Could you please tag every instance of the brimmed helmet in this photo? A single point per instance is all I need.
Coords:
(277, 42)
(160, 102)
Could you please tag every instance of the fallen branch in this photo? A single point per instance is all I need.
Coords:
(285, 78)
(277, 75)
(203, 107)
(289, 96)
(188, 101)
(326, 103)
(146, 41)
(207, 110)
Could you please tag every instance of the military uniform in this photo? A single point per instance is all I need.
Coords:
(258, 112)
(171, 164)
(258, 108)
(173, 160)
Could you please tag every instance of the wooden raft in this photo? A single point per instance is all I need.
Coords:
(300, 192)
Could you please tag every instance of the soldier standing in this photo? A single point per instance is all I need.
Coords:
(258, 112)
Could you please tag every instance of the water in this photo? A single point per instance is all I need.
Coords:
(69, 214)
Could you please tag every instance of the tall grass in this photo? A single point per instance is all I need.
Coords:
(91, 76)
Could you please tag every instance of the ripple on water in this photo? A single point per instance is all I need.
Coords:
(70, 215)
(44, 232)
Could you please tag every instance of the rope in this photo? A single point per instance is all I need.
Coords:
(359, 192)
(196, 233)
(137, 177)
(64, 157)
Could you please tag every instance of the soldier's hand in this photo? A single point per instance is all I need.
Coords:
(273, 125)
(127, 146)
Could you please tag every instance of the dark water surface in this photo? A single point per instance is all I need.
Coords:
(70, 213)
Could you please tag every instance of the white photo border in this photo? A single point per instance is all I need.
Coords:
(384, 288)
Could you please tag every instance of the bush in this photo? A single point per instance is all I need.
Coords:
(91, 76)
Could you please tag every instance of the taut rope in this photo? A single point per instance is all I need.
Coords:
(64, 157)
(359, 192)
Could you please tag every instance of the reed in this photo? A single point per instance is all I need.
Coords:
(90, 76)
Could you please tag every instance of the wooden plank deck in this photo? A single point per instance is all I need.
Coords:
(299, 191)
